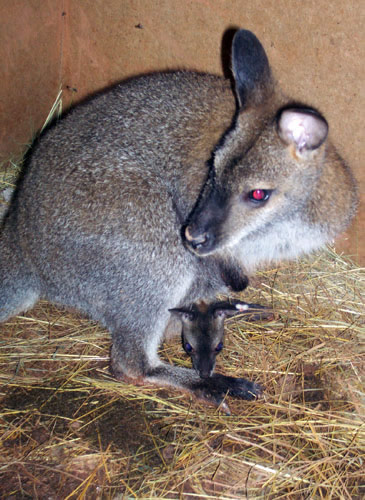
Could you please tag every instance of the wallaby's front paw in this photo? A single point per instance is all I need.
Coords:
(234, 278)
(216, 388)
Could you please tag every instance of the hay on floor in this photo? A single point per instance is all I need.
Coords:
(69, 430)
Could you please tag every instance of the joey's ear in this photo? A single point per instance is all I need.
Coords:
(251, 69)
(253, 312)
(225, 309)
(304, 128)
(185, 315)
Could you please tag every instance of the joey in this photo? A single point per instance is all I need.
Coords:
(202, 333)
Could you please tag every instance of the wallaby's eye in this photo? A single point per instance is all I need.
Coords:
(219, 347)
(188, 347)
(259, 195)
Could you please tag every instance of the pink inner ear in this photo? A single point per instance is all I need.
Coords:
(242, 307)
(304, 129)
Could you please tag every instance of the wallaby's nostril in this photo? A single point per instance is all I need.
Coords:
(188, 235)
(196, 241)
(199, 242)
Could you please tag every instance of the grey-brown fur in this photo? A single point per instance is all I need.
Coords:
(99, 219)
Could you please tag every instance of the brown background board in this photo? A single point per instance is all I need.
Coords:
(316, 49)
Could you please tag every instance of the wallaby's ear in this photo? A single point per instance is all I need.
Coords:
(251, 69)
(225, 309)
(186, 315)
(305, 128)
(253, 312)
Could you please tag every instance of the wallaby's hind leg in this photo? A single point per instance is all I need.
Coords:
(18, 290)
(212, 390)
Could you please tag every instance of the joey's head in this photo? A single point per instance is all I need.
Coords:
(277, 187)
(203, 331)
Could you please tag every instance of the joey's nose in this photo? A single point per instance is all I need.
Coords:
(205, 373)
(205, 367)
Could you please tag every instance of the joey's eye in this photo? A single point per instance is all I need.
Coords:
(259, 195)
(219, 347)
(188, 347)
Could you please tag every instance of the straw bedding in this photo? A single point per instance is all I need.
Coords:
(69, 430)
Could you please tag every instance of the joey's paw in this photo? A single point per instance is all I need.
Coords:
(215, 389)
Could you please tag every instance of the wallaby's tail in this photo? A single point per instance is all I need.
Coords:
(18, 291)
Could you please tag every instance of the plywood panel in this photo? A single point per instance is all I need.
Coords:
(31, 68)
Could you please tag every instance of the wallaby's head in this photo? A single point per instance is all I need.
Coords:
(203, 331)
(277, 188)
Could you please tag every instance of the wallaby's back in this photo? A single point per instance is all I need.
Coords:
(121, 171)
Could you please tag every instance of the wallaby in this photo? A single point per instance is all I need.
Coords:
(167, 189)
(203, 329)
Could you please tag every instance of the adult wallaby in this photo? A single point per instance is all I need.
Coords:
(167, 189)
(203, 329)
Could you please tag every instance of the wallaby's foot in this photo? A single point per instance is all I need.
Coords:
(118, 371)
(216, 388)
(212, 390)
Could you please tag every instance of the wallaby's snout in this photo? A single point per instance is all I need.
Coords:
(200, 241)
(197, 238)
(203, 227)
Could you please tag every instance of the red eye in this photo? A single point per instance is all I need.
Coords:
(259, 195)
